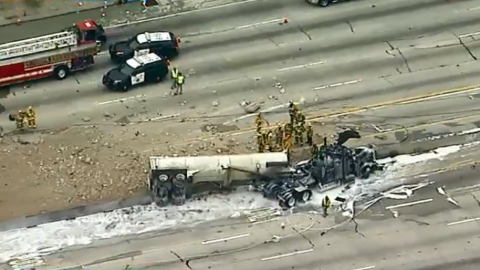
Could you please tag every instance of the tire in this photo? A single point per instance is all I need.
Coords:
(324, 3)
(61, 72)
(305, 196)
(125, 88)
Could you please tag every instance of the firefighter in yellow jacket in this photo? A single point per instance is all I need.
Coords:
(259, 122)
(292, 111)
(31, 117)
(19, 118)
(260, 142)
(279, 137)
(268, 140)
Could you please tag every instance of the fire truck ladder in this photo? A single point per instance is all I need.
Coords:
(38, 44)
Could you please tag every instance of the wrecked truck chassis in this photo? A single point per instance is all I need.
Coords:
(172, 179)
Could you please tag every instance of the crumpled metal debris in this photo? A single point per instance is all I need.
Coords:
(441, 191)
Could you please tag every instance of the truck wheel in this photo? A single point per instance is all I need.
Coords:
(324, 3)
(61, 72)
(305, 196)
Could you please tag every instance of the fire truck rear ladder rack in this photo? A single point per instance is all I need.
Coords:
(37, 45)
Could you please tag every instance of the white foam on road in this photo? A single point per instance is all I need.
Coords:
(398, 169)
(51, 237)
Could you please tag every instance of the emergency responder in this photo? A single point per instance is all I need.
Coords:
(287, 144)
(180, 82)
(173, 76)
(299, 128)
(309, 132)
(292, 111)
(314, 150)
(325, 205)
(259, 122)
(269, 141)
(31, 118)
(279, 137)
(288, 129)
(20, 119)
(260, 143)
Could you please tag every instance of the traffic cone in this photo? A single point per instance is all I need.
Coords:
(285, 20)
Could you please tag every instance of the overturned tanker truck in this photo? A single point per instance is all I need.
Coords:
(172, 178)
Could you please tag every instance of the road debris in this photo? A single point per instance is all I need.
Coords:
(441, 191)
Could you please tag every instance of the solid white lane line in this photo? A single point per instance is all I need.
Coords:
(119, 100)
(287, 255)
(224, 239)
(269, 109)
(258, 24)
(463, 221)
(302, 66)
(469, 35)
(336, 84)
(365, 268)
(408, 204)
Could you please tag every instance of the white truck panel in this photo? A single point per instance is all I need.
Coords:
(216, 168)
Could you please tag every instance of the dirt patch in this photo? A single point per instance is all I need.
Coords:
(85, 164)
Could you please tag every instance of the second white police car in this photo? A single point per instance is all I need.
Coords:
(137, 70)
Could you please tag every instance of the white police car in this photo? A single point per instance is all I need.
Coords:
(137, 70)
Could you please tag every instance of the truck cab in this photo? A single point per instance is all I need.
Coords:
(89, 31)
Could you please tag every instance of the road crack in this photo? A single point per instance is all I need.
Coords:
(405, 60)
(178, 256)
(304, 32)
(351, 27)
(356, 228)
(476, 199)
(421, 223)
(467, 49)
(304, 237)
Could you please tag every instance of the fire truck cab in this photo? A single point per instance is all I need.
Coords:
(88, 30)
(55, 54)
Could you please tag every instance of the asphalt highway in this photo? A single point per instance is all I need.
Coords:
(352, 54)
(423, 232)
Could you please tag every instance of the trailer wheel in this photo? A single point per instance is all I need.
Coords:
(61, 72)
(161, 191)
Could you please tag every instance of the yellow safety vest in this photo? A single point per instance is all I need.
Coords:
(180, 80)
(326, 202)
(174, 73)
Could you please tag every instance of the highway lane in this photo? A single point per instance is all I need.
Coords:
(433, 235)
(244, 66)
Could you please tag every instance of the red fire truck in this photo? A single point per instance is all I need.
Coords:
(51, 55)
